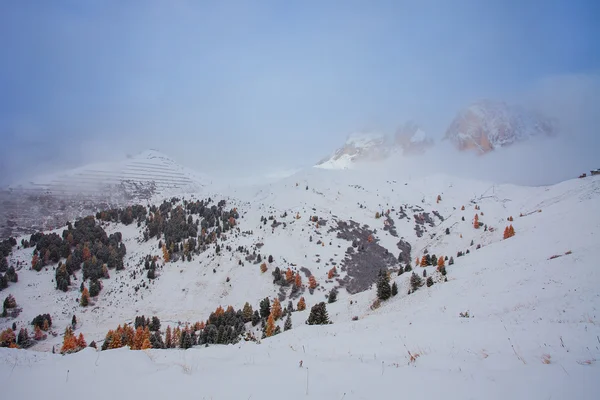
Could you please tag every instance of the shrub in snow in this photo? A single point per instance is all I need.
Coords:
(332, 296)
(429, 282)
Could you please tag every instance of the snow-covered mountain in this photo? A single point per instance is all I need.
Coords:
(511, 318)
(50, 200)
(374, 146)
(486, 125)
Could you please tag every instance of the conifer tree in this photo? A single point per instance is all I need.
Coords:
(168, 338)
(451, 261)
(301, 304)
(423, 261)
(476, 221)
(288, 323)
(441, 263)
(312, 282)
(298, 280)
(270, 328)
(332, 296)
(247, 312)
(255, 318)
(433, 260)
(415, 281)
(318, 315)
(81, 344)
(429, 282)
(289, 275)
(276, 309)
(332, 272)
(384, 290)
(394, 289)
(69, 342)
(265, 308)
(85, 298)
(263, 267)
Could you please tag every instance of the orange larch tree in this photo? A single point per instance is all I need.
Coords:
(276, 309)
(312, 282)
(165, 253)
(476, 222)
(423, 261)
(441, 262)
(263, 268)
(85, 297)
(332, 272)
(301, 304)
(168, 338)
(81, 344)
(69, 342)
(298, 280)
(270, 328)
(289, 275)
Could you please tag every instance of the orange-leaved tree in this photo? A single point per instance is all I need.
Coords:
(276, 309)
(270, 328)
(423, 261)
(85, 297)
(168, 338)
(312, 282)
(441, 262)
(263, 268)
(69, 342)
(332, 272)
(476, 222)
(298, 280)
(301, 304)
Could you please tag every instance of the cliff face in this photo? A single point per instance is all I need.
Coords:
(486, 125)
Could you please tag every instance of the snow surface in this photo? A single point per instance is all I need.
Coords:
(534, 331)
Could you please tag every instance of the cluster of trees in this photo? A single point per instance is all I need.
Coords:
(9, 304)
(184, 236)
(509, 231)
(10, 338)
(125, 215)
(138, 338)
(85, 245)
(72, 344)
(7, 274)
(432, 260)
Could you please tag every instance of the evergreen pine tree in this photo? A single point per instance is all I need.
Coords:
(288, 323)
(429, 282)
(255, 318)
(332, 296)
(384, 290)
(415, 281)
(265, 308)
(247, 312)
(394, 289)
(318, 315)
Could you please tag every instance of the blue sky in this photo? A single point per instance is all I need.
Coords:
(268, 84)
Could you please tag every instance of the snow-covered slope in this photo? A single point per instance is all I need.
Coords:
(410, 138)
(486, 125)
(363, 146)
(532, 331)
(52, 200)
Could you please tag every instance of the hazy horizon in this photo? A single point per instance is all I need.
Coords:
(238, 87)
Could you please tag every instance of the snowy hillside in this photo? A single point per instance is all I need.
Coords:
(486, 125)
(49, 201)
(410, 138)
(531, 330)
